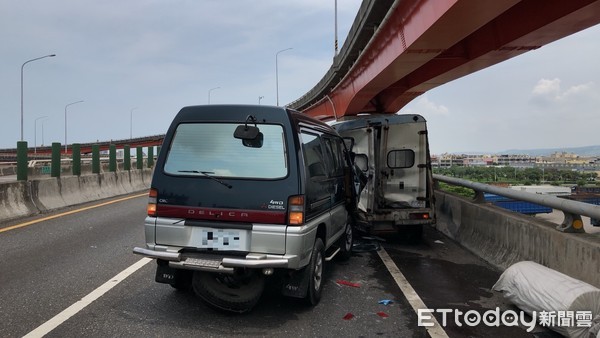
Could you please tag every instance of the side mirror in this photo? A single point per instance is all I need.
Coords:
(256, 142)
(246, 132)
(251, 136)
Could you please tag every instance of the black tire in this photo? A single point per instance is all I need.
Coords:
(346, 242)
(315, 273)
(183, 280)
(238, 292)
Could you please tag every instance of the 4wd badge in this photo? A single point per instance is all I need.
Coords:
(275, 205)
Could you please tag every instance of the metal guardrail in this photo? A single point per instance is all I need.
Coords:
(573, 210)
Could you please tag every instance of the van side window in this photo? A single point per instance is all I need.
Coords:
(334, 153)
(398, 159)
(313, 155)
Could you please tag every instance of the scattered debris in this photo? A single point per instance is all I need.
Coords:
(386, 301)
(365, 246)
(348, 316)
(438, 242)
(382, 314)
(347, 283)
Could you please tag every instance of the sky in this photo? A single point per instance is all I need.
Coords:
(145, 60)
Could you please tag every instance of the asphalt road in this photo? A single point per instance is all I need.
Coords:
(55, 264)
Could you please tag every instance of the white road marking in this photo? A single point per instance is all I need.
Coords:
(69, 312)
(435, 331)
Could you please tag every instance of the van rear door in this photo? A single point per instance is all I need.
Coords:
(403, 158)
(207, 178)
(364, 147)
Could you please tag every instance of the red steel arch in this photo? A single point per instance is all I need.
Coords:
(423, 44)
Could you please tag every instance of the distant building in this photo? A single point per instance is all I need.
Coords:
(521, 161)
(558, 160)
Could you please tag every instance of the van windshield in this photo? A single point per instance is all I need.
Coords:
(210, 148)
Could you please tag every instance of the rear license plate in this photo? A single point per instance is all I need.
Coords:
(224, 239)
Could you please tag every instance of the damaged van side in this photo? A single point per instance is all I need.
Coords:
(242, 192)
(395, 182)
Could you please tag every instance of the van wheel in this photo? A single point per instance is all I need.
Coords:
(315, 270)
(346, 242)
(238, 292)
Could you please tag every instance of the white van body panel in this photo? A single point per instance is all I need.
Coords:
(398, 191)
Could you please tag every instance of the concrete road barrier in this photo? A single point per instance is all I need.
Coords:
(503, 238)
(15, 200)
(20, 199)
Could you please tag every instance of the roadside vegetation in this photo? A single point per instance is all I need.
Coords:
(514, 176)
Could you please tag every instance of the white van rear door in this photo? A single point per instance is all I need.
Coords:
(364, 141)
(403, 150)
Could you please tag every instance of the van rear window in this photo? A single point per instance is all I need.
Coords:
(211, 149)
(398, 159)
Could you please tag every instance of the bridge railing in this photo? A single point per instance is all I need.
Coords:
(572, 210)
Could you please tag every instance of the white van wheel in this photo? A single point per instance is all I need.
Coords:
(230, 292)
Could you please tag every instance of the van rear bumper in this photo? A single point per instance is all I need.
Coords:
(218, 263)
(164, 255)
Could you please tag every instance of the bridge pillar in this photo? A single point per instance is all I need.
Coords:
(150, 157)
(112, 158)
(95, 159)
(139, 158)
(55, 164)
(76, 160)
(126, 157)
(22, 161)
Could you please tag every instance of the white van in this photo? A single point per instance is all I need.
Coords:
(392, 156)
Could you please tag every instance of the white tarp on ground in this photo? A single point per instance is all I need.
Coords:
(535, 288)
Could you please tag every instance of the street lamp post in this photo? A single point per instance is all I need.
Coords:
(210, 90)
(131, 122)
(260, 98)
(35, 133)
(72, 103)
(22, 66)
(335, 29)
(42, 133)
(277, 72)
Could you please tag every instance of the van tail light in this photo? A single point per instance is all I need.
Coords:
(419, 215)
(296, 210)
(151, 208)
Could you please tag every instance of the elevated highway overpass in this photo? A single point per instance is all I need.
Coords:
(86, 148)
(398, 50)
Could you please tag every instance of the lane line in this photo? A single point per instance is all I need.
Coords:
(69, 213)
(72, 310)
(435, 331)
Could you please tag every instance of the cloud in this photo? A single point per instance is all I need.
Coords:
(424, 106)
(549, 91)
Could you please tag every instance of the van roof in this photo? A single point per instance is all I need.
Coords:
(239, 113)
(363, 121)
